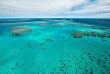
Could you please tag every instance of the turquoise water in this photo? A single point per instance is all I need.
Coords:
(51, 48)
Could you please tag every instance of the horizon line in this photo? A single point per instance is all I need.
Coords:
(55, 17)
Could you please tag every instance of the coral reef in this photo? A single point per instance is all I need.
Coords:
(17, 30)
(51, 48)
(102, 35)
(86, 33)
(94, 33)
(79, 34)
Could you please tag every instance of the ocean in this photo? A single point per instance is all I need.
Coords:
(54, 46)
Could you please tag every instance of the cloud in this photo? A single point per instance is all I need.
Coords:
(95, 7)
(54, 8)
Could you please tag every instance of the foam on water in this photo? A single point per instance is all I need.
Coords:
(52, 49)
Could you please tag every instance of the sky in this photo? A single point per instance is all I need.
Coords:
(55, 8)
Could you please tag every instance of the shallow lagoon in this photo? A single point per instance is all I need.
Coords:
(51, 48)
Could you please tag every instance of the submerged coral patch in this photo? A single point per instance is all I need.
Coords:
(17, 30)
(86, 33)
(79, 34)
(94, 33)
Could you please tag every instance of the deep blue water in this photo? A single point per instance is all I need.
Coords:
(99, 22)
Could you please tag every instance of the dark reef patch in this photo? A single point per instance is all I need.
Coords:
(80, 34)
